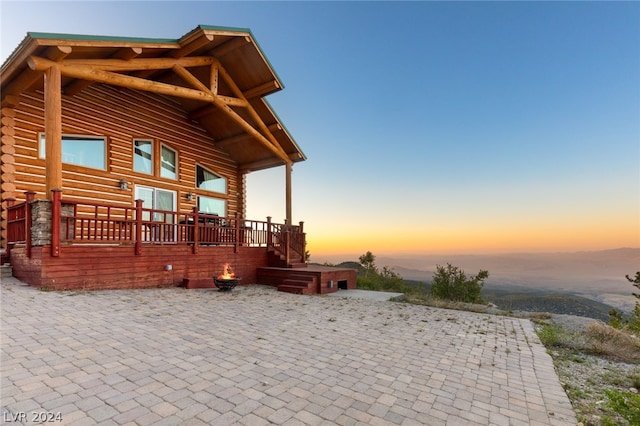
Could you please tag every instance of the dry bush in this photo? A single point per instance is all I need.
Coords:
(608, 341)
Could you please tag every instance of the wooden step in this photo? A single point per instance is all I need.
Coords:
(297, 286)
(6, 270)
(294, 289)
(298, 282)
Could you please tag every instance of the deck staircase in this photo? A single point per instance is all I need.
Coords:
(278, 260)
(299, 284)
(286, 280)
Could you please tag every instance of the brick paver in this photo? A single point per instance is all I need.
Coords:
(258, 356)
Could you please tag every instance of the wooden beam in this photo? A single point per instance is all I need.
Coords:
(115, 79)
(28, 78)
(22, 83)
(192, 45)
(58, 53)
(138, 64)
(53, 129)
(268, 87)
(234, 101)
(220, 104)
(252, 112)
(213, 78)
(128, 53)
(259, 165)
(231, 45)
(231, 140)
(9, 100)
(78, 86)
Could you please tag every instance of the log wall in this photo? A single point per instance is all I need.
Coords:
(7, 165)
(121, 115)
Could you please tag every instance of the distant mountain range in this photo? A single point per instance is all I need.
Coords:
(596, 275)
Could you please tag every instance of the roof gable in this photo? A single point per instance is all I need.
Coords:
(219, 75)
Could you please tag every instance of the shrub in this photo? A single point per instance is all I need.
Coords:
(385, 280)
(628, 322)
(451, 283)
(626, 404)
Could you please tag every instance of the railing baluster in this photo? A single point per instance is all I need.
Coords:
(91, 222)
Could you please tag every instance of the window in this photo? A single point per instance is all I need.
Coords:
(212, 205)
(87, 151)
(157, 199)
(143, 156)
(168, 162)
(210, 181)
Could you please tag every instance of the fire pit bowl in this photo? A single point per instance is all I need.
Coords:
(225, 284)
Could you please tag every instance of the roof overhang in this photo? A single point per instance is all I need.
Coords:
(218, 75)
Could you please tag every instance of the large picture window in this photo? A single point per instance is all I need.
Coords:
(87, 151)
(212, 205)
(143, 156)
(169, 163)
(210, 181)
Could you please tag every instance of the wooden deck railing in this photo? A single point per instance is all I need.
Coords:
(82, 222)
(16, 222)
(19, 222)
(111, 224)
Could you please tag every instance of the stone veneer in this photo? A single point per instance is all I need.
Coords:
(41, 221)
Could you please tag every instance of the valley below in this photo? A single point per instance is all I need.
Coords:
(588, 283)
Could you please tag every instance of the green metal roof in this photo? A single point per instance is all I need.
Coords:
(53, 36)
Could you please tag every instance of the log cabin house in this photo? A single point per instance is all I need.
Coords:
(124, 164)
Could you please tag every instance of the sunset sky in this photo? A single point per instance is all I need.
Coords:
(429, 127)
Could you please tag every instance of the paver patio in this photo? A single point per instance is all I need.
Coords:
(255, 356)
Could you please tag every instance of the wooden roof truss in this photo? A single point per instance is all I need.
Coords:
(111, 71)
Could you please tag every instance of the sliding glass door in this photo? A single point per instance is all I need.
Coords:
(163, 227)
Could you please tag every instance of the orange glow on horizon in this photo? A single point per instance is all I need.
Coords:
(541, 238)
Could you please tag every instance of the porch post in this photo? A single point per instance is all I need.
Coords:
(138, 243)
(269, 235)
(196, 230)
(288, 167)
(287, 243)
(28, 220)
(237, 232)
(53, 129)
(56, 208)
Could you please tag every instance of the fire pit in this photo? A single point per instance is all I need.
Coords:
(225, 284)
(227, 281)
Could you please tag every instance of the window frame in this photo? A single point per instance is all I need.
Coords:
(223, 200)
(177, 162)
(226, 181)
(153, 156)
(42, 148)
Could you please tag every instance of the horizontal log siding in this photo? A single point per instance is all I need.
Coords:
(111, 267)
(121, 115)
(7, 167)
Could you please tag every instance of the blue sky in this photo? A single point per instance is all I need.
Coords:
(465, 127)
